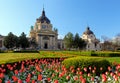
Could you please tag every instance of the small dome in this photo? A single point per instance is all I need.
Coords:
(43, 18)
(88, 31)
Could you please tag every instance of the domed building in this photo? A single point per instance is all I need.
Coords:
(44, 35)
(92, 42)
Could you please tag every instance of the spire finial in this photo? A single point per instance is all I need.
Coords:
(88, 28)
(43, 7)
(43, 12)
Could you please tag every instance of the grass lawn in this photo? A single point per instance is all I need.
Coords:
(15, 57)
(113, 59)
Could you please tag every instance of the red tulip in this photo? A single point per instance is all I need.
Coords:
(101, 68)
(94, 68)
(73, 71)
(77, 72)
(53, 75)
(89, 74)
(67, 77)
(60, 75)
(92, 78)
(1, 75)
(75, 78)
(11, 68)
(116, 78)
(85, 69)
(119, 74)
(28, 80)
(80, 73)
(22, 67)
(19, 81)
(104, 78)
(78, 69)
(8, 81)
(33, 81)
(39, 77)
(90, 68)
(71, 67)
(83, 80)
(111, 74)
(93, 71)
(48, 79)
(38, 68)
(106, 73)
(0, 80)
(2, 65)
(29, 75)
(15, 79)
(3, 70)
(81, 77)
(109, 68)
(56, 81)
(16, 72)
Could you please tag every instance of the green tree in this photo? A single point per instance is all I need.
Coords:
(68, 40)
(10, 40)
(33, 43)
(16, 39)
(23, 41)
(76, 41)
(82, 44)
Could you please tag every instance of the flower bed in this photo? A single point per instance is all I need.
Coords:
(52, 71)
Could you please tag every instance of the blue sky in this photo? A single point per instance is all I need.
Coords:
(102, 16)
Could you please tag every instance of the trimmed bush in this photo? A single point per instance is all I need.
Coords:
(87, 62)
(26, 51)
(106, 54)
(1, 51)
(93, 53)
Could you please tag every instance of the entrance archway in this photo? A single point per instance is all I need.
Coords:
(46, 45)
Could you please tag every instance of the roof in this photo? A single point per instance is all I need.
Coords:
(88, 31)
(43, 18)
(1, 36)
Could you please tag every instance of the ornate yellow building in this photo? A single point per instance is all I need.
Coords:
(43, 33)
(92, 42)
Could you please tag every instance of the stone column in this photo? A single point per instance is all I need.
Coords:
(50, 42)
(54, 42)
(41, 42)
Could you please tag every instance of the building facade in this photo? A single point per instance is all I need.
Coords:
(2, 42)
(93, 44)
(43, 33)
(47, 38)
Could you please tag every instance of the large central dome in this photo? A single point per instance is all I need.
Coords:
(88, 31)
(43, 18)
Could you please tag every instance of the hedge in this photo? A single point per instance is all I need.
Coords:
(87, 62)
(106, 54)
(26, 51)
(93, 53)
